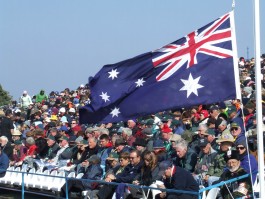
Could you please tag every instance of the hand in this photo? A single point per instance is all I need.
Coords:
(163, 195)
(136, 182)
(85, 163)
(108, 179)
(111, 176)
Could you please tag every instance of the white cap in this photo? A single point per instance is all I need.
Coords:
(71, 110)
(62, 110)
(25, 92)
(82, 86)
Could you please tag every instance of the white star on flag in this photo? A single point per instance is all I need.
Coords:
(113, 74)
(115, 112)
(105, 96)
(191, 85)
(139, 82)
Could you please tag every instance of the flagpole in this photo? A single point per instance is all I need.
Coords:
(258, 100)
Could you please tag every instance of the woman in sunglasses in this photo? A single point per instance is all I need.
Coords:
(247, 161)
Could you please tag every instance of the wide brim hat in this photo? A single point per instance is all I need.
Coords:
(225, 137)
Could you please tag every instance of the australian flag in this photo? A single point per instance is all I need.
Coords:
(200, 68)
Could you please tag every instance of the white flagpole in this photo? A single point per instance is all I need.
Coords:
(258, 100)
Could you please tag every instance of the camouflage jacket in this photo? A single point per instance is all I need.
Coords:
(218, 165)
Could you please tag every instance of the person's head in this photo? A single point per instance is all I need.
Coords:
(50, 141)
(158, 146)
(30, 141)
(63, 141)
(135, 157)
(53, 131)
(205, 146)
(214, 111)
(235, 129)
(119, 145)
(92, 143)
(140, 144)
(94, 159)
(166, 133)
(113, 159)
(8, 113)
(150, 160)
(181, 148)
(202, 129)
(18, 144)
(3, 140)
(126, 133)
(241, 147)
(82, 145)
(103, 140)
(222, 126)
(124, 159)
(131, 124)
(232, 160)
(167, 168)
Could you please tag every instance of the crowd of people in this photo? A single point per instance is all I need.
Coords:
(179, 149)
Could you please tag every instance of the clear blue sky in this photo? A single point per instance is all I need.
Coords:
(53, 45)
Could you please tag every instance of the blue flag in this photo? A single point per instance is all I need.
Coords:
(200, 68)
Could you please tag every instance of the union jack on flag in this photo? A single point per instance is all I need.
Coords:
(200, 68)
(203, 41)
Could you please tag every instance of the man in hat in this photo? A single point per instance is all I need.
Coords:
(216, 168)
(140, 145)
(53, 147)
(92, 171)
(214, 112)
(16, 135)
(206, 157)
(112, 163)
(172, 175)
(239, 188)
(237, 133)
(121, 146)
(210, 135)
(19, 153)
(4, 163)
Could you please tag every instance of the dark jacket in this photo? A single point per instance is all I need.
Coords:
(188, 162)
(43, 148)
(53, 151)
(8, 150)
(129, 173)
(181, 180)
(148, 176)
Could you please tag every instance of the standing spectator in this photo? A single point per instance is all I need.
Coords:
(25, 101)
(41, 97)
(6, 126)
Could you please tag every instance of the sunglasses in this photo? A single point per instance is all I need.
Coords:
(240, 148)
(234, 129)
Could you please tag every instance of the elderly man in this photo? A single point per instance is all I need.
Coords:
(6, 147)
(239, 188)
(237, 134)
(206, 157)
(121, 146)
(53, 147)
(210, 135)
(127, 136)
(186, 157)
(216, 168)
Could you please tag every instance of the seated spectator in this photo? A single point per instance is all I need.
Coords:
(113, 163)
(160, 150)
(186, 157)
(237, 133)
(239, 188)
(19, 153)
(4, 163)
(53, 147)
(172, 175)
(6, 147)
(121, 146)
(92, 171)
(247, 159)
(123, 175)
(205, 159)
(149, 174)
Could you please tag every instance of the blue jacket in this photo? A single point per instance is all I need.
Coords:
(129, 173)
(4, 163)
(93, 172)
(244, 163)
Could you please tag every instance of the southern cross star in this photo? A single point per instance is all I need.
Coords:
(113, 74)
(115, 112)
(191, 85)
(140, 82)
(105, 96)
